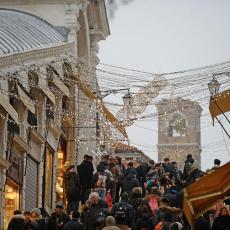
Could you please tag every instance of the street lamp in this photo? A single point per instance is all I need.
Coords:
(213, 86)
(127, 99)
(127, 115)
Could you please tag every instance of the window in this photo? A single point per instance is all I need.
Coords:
(177, 125)
(49, 178)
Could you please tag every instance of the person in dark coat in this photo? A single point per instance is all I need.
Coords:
(74, 224)
(72, 189)
(104, 164)
(125, 218)
(17, 222)
(130, 182)
(165, 208)
(201, 223)
(187, 165)
(58, 219)
(222, 221)
(122, 170)
(37, 219)
(97, 210)
(85, 171)
(144, 218)
(27, 220)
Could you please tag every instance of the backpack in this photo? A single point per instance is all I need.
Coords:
(159, 226)
(120, 213)
(153, 204)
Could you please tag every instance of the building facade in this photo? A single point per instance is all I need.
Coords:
(130, 154)
(46, 50)
(179, 130)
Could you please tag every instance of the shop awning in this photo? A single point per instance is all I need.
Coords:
(57, 81)
(43, 86)
(109, 116)
(219, 104)
(206, 192)
(25, 99)
(8, 107)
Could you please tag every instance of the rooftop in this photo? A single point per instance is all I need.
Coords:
(20, 31)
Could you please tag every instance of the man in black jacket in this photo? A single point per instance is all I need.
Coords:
(58, 219)
(74, 224)
(72, 189)
(123, 211)
(85, 171)
(17, 222)
(97, 211)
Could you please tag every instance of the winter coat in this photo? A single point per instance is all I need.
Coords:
(186, 170)
(102, 166)
(145, 221)
(72, 186)
(163, 209)
(37, 223)
(141, 174)
(57, 222)
(74, 224)
(132, 171)
(94, 212)
(130, 182)
(17, 223)
(221, 223)
(32, 225)
(85, 171)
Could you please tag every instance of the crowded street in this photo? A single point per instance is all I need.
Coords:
(114, 114)
(115, 196)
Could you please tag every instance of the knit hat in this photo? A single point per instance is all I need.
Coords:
(37, 211)
(110, 221)
(60, 205)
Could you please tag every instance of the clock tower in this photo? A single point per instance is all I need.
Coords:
(179, 130)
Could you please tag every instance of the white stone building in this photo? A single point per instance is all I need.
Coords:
(47, 116)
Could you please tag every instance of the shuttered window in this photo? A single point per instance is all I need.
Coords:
(31, 184)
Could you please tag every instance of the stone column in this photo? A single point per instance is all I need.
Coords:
(3, 146)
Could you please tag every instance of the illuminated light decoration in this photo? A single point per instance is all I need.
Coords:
(126, 115)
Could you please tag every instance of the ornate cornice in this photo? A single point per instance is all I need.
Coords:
(36, 54)
(29, 2)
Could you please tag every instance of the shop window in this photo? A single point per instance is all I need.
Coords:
(32, 119)
(13, 127)
(49, 109)
(12, 198)
(60, 175)
(49, 178)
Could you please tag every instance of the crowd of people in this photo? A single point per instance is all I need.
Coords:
(146, 197)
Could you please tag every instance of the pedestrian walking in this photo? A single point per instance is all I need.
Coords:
(17, 222)
(75, 223)
(72, 189)
(58, 219)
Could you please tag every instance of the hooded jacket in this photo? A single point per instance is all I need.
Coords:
(130, 182)
(17, 223)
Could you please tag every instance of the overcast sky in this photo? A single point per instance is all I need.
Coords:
(163, 36)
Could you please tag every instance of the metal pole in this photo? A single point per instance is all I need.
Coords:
(222, 127)
(220, 109)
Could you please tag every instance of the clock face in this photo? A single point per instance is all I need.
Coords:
(177, 125)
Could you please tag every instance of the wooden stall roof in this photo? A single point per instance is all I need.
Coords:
(219, 104)
(206, 192)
